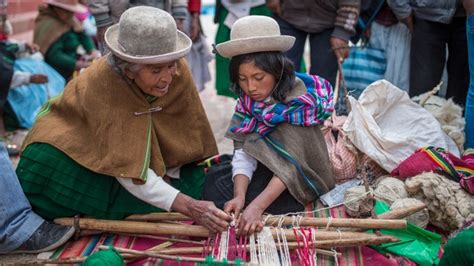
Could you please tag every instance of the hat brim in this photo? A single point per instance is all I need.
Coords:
(183, 46)
(232, 48)
(77, 8)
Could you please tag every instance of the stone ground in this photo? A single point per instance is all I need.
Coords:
(219, 110)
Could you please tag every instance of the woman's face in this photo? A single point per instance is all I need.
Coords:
(154, 80)
(255, 82)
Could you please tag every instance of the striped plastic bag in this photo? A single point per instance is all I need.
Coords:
(363, 66)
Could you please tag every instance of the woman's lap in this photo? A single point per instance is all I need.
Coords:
(56, 186)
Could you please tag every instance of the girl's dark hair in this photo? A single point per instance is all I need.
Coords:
(271, 62)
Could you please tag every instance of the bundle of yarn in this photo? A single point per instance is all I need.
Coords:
(390, 189)
(420, 219)
(448, 204)
(357, 202)
(448, 114)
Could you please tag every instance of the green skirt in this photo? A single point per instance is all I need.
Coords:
(57, 186)
(222, 64)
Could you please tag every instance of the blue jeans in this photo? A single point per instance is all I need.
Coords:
(469, 111)
(17, 220)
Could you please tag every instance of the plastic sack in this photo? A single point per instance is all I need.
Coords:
(418, 245)
(363, 66)
(28, 99)
(388, 127)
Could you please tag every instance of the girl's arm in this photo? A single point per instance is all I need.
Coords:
(251, 219)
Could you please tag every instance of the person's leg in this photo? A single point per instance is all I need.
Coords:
(17, 221)
(457, 66)
(427, 56)
(295, 54)
(469, 111)
(323, 59)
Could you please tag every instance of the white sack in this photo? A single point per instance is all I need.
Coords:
(387, 126)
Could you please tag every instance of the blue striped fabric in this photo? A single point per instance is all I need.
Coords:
(363, 66)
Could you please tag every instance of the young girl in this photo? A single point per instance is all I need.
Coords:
(280, 161)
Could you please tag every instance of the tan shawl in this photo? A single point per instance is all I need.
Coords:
(305, 144)
(49, 28)
(93, 122)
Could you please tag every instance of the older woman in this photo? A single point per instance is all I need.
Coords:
(126, 135)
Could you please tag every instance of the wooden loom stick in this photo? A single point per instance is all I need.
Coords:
(161, 256)
(402, 212)
(341, 222)
(199, 250)
(182, 230)
(157, 248)
(384, 223)
(293, 245)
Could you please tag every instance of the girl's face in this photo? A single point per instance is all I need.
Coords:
(154, 80)
(255, 82)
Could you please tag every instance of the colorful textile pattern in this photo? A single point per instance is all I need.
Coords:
(309, 109)
(431, 159)
(88, 245)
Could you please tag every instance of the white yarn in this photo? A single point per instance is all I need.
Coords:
(253, 250)
(420, 218)
(390, 189)
(223, 246)
(267, 250)
(356, 203)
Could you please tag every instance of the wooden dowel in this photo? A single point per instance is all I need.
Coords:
(169, 239)
(157, 248)
(402, 212)
(159, 216)
(161, 256)
(71, 260)
(181, 229)
(136, 227)
(342, 222)
(305, 221)
(199, 250)
(397, 214)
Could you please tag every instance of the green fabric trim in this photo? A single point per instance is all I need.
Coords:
(146, 161)
(57, 186)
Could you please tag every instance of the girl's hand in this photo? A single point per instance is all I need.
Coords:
(250, 221)
(235, 206)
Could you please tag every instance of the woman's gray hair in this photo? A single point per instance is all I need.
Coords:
(121, 65)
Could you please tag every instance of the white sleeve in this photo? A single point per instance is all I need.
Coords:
(19, 78)
(155, 191)
(174, 172)
(243, 164)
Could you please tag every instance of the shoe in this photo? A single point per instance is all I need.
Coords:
(47, 237)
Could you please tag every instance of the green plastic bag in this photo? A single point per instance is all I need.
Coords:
(418, 245)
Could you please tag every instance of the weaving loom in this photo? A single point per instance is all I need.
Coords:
(275, 245)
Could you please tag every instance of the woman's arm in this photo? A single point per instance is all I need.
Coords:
(162, 195)
(155, 191)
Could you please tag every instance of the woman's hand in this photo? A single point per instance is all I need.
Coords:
(203, 212)
(234, 206)
(340, 48)
(250, 221)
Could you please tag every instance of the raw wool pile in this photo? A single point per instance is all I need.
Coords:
(448, 114)
(448, 204)
(357, 204)
(420, 219)
(390, 189)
